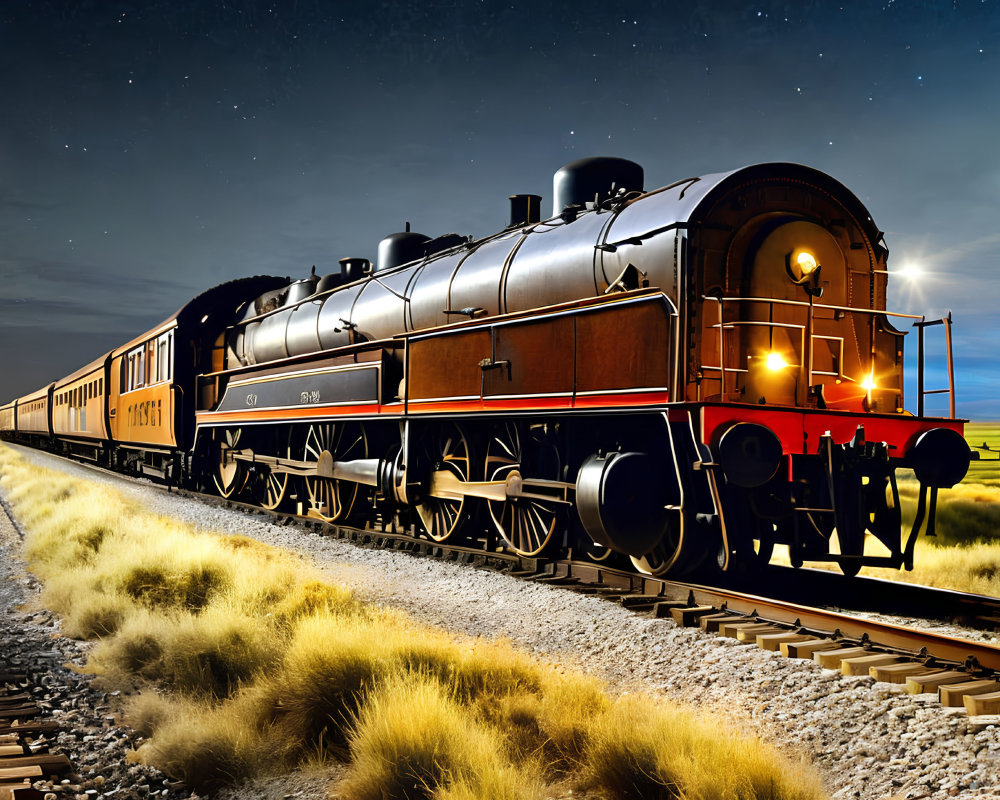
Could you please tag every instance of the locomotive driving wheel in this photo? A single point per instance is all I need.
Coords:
(674, 553)
(275, 484)
(230, 476)
(330, 499)
(443, 446)
(515, 451)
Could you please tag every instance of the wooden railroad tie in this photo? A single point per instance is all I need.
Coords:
(955, 688)
(18, 769)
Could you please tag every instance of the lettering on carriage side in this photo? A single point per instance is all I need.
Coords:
(251, 400)
(147, 414)
(309, 397)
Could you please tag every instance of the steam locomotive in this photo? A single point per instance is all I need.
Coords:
(704, 370)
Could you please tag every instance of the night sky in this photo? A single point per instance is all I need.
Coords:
(151, 150)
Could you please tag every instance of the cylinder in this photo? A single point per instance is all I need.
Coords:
(620, 498)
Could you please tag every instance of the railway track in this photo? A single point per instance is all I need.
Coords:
(26, 730)
(963, 673)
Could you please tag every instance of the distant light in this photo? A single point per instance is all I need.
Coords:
(775, 362)
(909, 272)
(869, 382)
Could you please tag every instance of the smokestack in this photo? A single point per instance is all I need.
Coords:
(525, 209)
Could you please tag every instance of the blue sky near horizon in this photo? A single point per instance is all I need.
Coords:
(151, 150)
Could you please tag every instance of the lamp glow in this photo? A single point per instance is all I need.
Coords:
(910, 272)
(869, 382)
(807, 263)
(775, 362)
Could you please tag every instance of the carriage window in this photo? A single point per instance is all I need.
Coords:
(164, 356)
(136, 369)
(150, 362)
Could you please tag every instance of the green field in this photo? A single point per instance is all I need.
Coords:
(987, 470)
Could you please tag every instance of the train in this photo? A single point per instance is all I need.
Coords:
(662, 379)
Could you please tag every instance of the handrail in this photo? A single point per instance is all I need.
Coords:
(950, 391)
(920, 322)
(804, 304)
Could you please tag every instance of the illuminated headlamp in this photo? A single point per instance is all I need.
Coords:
(802, 266)
(775, 362)
(807, 263)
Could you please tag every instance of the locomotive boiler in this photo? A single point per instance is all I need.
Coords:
(705, 370)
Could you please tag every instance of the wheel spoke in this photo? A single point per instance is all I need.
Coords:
(445, 446)
(328, 498)
(275, 485)
(526, 525)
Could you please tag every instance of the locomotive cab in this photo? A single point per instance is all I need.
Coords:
(794, 303)
(797, 369)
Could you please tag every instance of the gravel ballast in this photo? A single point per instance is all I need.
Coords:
(867, 740)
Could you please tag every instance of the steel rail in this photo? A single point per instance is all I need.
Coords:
(912, 641)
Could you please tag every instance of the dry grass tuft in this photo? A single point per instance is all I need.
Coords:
(413, 739)
(94, 616)
(643, 750)
(314, 598)
(327, 667)
(206, 751)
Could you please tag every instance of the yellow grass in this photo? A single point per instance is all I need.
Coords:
(413, 738)
(249, 664)
(640, 751)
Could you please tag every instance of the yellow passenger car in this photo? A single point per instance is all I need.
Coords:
(78, 410)
(33, 414)
(7, 419)
(142, 407)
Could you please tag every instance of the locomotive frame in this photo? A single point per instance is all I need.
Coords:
(701, 371)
